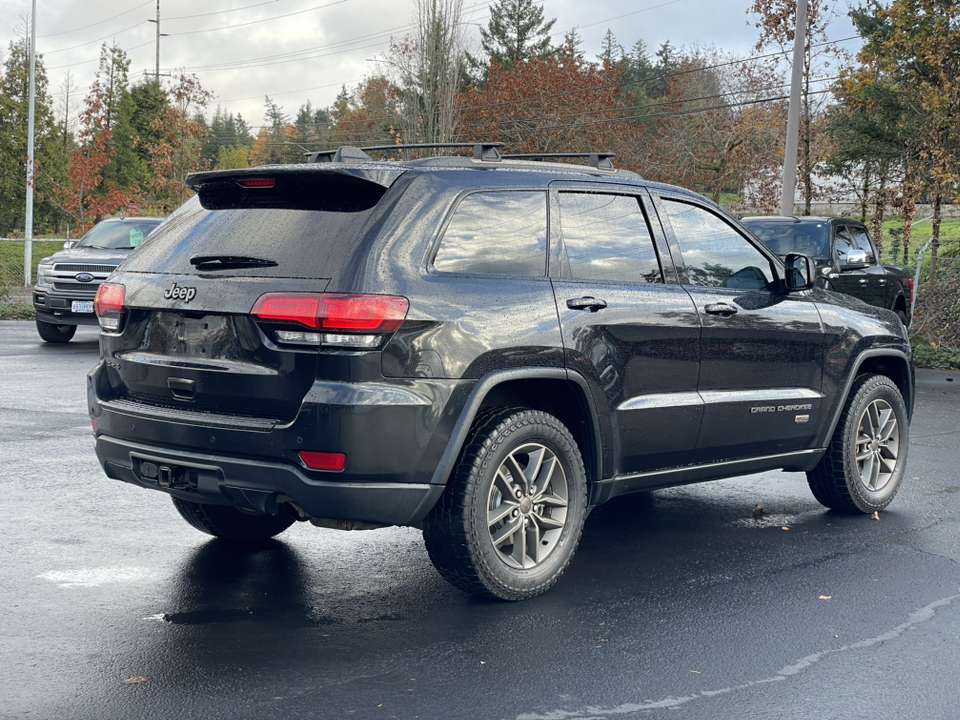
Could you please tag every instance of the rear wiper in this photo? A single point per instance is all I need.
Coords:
(229, 262)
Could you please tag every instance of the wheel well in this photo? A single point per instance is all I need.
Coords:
(893, 368)
(564, 400)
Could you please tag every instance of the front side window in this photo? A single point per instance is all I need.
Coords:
(862, 240)
(606, 237)
(502, 233)
(713, 252)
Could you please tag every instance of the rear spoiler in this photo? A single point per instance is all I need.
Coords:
(374, 173)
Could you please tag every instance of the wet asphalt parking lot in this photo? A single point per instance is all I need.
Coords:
(679, 603)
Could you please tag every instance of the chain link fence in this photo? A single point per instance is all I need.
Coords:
(935, 329)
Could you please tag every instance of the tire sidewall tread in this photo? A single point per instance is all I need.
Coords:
(456, 533)
(835, 481)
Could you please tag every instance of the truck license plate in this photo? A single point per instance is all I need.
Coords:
(82, 306)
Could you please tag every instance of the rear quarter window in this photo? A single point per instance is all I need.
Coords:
(496, 233)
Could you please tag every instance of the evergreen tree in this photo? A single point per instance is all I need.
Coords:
(126, 168)
(517, 30)
(49, 162)
(149, 103)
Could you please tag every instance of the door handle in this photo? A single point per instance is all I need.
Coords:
(720, 309)
(586, 303)
(864, 281)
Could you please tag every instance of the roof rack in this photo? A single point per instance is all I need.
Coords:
(488, 152)
(600, 161)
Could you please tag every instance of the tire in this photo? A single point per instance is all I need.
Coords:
(56, 333)
(511, 517)
(228, 523)
(902, 315)
(865, 460)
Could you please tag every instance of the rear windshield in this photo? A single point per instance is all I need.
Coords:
(302, 234)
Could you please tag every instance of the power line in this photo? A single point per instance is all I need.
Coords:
(105, 37)
(221, 12)
(257, 22)
(99, 22)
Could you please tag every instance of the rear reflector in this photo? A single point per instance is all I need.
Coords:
(331, 462)
(334, 312)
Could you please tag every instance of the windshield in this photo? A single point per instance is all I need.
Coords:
(806, 237)
(124, 235)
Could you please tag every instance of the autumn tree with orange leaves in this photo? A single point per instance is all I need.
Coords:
(555, 104)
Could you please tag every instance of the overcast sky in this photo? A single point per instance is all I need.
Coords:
(295, 50)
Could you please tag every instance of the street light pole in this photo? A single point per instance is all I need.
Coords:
(787, 201)
(28, 222)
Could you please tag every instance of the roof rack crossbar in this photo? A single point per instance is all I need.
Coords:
(488, 152)
(600, 161)
(343, 153)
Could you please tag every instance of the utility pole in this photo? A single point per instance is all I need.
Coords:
(787, 201)
(156, 75)
(28, 223)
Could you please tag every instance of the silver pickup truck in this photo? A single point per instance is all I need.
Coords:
(67, 281)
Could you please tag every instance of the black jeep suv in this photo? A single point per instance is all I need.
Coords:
(481, 347)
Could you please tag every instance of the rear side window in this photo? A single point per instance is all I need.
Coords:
(606, 238)
(502, 233)
(307, 227)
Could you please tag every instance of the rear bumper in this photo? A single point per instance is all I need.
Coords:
(261, 486)
(392, 433)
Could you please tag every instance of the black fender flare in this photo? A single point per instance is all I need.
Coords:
(484, 386)
(899, 356)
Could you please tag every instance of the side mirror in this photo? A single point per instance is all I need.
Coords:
(799, 272)
(854, 260)
(69, 244)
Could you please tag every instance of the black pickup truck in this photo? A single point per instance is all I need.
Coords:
(845, 255)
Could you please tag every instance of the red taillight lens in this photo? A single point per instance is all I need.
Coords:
(908, 286)
(110, 305)
(331, 462)
(110, 298)
(334, 312)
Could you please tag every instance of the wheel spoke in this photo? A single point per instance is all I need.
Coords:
(502, 483)
(533, 541)
(545, 474)
(873, 417)
(551, 500)
(548, 523)
(536, 459)
(519, 553)
(515, 472)
(501, 512)
(888, 428)
(889, 461)
(508, 531)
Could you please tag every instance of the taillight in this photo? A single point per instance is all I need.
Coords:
(908, 286)
(110, 305)
(333, 319)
